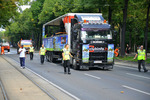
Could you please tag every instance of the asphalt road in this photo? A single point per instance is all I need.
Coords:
(120, 83)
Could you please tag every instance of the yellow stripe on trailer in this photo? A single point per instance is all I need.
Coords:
(26, 46)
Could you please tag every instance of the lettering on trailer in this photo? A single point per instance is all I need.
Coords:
(97, 42)
(95, 49)
(90, 18)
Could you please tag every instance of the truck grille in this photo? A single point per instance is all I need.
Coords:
(98, 56)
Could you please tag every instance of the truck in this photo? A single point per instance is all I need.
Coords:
(26, 44)
(89, 36)
(6, 46)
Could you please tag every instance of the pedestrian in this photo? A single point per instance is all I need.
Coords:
(66, 58)
(31, 51)
(2, 50)
(42, 53)
(141, 54)
(127, 49)
(22, 52)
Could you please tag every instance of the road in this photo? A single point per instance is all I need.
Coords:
(120, 83)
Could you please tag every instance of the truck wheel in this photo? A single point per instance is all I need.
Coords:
(51, 58)
(103, 68)
(112, 66)
(47, 57)
(8, 50)
(75, 64)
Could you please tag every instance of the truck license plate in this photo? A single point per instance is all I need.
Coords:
(97, 61)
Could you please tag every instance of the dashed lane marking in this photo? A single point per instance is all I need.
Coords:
(76, 98)
(138, 76)
(136, 89)
(92, 76)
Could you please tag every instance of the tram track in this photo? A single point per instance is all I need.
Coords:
(3, 92)
(35, 83)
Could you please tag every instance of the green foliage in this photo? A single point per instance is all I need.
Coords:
(7, 11)
(130, 58)
(29, 23)
(1, 35)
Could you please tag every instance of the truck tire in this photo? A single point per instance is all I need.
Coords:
(8, 50)
(75, 66)
(112, 66)
(47, 56)
(51, 58)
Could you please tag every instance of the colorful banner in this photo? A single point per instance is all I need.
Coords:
(55, 43)
(110, 55)
(59, 42)
(85, 53)
(43, 32)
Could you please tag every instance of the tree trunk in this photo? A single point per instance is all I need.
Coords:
(109, 15)
(124, 28)
(130, 41)
(99, 10)
(120, 32)
(146, 29)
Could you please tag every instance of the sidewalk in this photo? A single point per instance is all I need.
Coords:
(1, 94)
(17, 86)
(129, 63)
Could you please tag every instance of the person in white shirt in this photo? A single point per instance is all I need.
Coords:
(22, 56)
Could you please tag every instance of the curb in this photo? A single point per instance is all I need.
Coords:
(130, 64)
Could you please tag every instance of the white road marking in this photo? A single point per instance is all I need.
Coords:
(126, 67)
(92, 76)
(136, 89)
(76, 98)
(54, 84)
(138, 76)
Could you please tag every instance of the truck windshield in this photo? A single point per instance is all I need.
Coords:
(96, 34)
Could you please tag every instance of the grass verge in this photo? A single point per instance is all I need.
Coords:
(130, 58)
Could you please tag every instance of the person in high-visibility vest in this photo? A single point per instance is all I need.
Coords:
(141, 54)
(66, 58)
(42, 53)
(2, 50)
(116, 52)
(31, 51)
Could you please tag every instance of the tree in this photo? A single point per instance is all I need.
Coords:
(124, 28)
(146, 29)
(7, 11)
(36, 9)
(132, 26)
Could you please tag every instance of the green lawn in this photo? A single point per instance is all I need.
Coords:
(129, 58)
